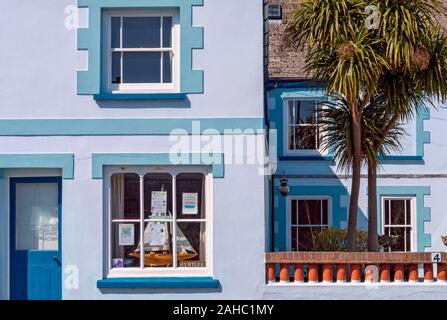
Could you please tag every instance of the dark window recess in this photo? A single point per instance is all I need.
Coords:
(274, 12)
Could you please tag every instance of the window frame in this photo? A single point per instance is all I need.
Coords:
(413, 224)
(286, 120)
(172, 87)
(174, 171)
(289, 214)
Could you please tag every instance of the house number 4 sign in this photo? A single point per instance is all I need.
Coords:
(436, 257)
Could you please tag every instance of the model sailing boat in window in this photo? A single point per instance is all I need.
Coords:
(157, 237)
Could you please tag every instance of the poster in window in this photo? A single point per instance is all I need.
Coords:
(159, 203)
(118, 263)
(157, 234)
(190, 203)
(126, 234)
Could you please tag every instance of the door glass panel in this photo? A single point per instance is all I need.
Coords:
(37, 218)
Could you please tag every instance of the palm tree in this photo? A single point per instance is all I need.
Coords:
(352, 58)
(400, 95)
(336, 128)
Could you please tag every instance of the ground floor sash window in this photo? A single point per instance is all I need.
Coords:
(398, 219)
(308, 217)
(159, 220)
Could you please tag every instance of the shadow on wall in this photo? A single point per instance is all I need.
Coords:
(145, 104)
(321, 180)
(160, 291)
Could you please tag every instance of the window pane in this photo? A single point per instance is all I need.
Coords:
(408, 239)
(167, 32)
(37, 216)
(116, 32)
(387, 212)
(400, 242)
(116, 67)
(190, 196)
(293, 112)
(141, 32)
(157, 195)
(325, 212)
(408, 204)
(158, 244)
(294, 212)
(307, 112)
(294, 235)
(125, 191)
(167, 67)
(397, 212)
(191, 245)
(291, 138)
(141, 67)
(309, 212)
(125, 245)
(306, 137)
(305, 238)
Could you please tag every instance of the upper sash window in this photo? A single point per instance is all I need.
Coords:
(142, 53)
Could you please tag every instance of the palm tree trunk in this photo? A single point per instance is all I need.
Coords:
(355, 184)
(373, 241)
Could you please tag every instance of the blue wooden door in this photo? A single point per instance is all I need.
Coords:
(35, 242)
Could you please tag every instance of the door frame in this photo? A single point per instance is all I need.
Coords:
(13, 181)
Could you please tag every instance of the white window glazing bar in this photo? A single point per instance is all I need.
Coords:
(141, 222)
(161, 46)
(174, 224)
(122, 54)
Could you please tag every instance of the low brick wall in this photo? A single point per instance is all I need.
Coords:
(351, 257)
(330, 267)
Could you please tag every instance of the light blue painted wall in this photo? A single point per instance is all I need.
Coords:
(233, 82)
(52, 118)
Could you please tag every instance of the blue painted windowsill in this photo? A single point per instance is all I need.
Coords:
(306, 158)
(140, 96)
(159, 283)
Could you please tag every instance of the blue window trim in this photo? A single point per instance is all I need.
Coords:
(89, 81)
(308, 89)
(134, 127)
(303, 90)
(159, 283)
(141, 96)
(423, 214)
(339, 213)
(99, 160)
(39, 161)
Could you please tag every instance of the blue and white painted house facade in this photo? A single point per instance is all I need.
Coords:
(132, 146)
(101, 155)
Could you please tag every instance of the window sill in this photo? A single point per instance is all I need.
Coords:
(158, 283)
(140, 96)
